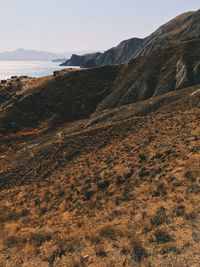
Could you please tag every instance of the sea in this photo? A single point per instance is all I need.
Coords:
(28, 68)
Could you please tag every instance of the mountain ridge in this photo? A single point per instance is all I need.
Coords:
(173, 30)
(76, 94)
(34, 55)
(100, 166)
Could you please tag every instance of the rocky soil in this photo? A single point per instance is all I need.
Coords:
(105, 192)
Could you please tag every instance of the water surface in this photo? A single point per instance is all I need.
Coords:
(28, 68)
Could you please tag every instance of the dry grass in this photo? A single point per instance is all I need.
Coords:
(124, 194)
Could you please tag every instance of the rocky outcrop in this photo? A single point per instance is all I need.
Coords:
(181, 74)
(77, 61)
(196, 71)
(183, 27)
(162, 71)
(115, 55)
(119, 54)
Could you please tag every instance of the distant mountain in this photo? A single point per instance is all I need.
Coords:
(182, 27)
(34, 55)
(59, 60)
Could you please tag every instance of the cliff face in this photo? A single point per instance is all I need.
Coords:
(76, 60)
(115, 55)
(164, 70)
(119, 54)
(185, 26)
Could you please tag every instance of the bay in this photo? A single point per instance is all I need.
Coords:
(28, 68)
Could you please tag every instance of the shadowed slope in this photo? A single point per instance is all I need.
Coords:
(75, 95)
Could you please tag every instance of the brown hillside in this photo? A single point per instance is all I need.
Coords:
(101, 167)
(118, 192)
(74, 95)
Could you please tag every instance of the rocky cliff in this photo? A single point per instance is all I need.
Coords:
(164, 70)
(77, 60)
(185, 26)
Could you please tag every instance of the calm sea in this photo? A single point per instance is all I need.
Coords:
(29, 68)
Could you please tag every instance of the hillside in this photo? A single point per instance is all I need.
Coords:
(118, 189)
(77, 94)
(100, 166)
(185, 26)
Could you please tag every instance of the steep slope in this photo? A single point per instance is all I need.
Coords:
(123, 193)
(65, 97)
(182, 27)
(76, 60)
(77, 94)
(115, 55)
(100, 167)
(185, 26)
(166, 69)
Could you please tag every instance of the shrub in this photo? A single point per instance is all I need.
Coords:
(78, 204)
(58, 253)
(179, 210)
(142, 157)
(144, 173)
(138, 252)
(125, 251)
(120, 180)
(160, 217)
(101, 252)
(39, 238)
(13, 241)
(162, 237)
(189, 176)
(55, 73)
(88, 194)
(108, 232)
(11, 215)
(42, 210)
(103, 185)
(160, 191)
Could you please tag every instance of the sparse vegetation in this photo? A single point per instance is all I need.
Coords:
(162, 236)
(84, 186)
(138, 251)
(39, 238)
(160, 217)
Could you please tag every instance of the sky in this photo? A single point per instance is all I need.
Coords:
(74, 25)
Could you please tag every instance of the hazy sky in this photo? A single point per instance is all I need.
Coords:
(69, 25)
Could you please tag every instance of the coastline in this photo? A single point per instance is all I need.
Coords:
(28, 68)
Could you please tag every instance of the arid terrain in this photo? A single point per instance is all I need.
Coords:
(101, 167)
